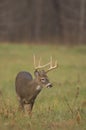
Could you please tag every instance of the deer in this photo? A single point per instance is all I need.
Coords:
(28, 88)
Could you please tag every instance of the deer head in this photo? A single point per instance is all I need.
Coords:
(41, 74)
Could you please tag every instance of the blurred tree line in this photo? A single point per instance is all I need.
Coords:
(63, 21)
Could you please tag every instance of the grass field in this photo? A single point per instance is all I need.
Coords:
(62, 107)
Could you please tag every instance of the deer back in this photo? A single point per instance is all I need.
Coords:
(22, 80)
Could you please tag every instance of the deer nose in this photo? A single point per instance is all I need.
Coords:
(49, 85)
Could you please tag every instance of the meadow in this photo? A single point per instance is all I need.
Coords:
(62, 107)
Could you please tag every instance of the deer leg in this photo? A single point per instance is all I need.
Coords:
(28, 108)
(21, 104)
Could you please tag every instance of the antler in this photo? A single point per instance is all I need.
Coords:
(51, 65)
(42, 66)
(39, 64)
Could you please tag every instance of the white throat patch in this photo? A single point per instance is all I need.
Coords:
(38, 87)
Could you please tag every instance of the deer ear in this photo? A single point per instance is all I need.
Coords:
(36, 73)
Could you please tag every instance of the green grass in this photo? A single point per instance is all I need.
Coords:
(51, 110)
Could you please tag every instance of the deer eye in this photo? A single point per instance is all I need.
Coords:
(43, 80)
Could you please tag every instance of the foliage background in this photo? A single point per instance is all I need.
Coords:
(61, 21)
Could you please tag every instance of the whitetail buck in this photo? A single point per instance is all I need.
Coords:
(28, 88)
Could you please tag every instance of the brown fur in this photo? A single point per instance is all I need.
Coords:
(26, 88)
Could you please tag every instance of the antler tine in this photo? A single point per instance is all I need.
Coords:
(42, 66)
(39, 64)
(55, 63)
(36, 67)
(51, 65)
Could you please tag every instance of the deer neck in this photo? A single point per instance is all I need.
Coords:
(39, 85)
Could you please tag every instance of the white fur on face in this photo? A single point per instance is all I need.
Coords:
(38, 87)
(47, 85)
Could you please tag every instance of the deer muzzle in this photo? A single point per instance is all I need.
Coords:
(49, 85)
